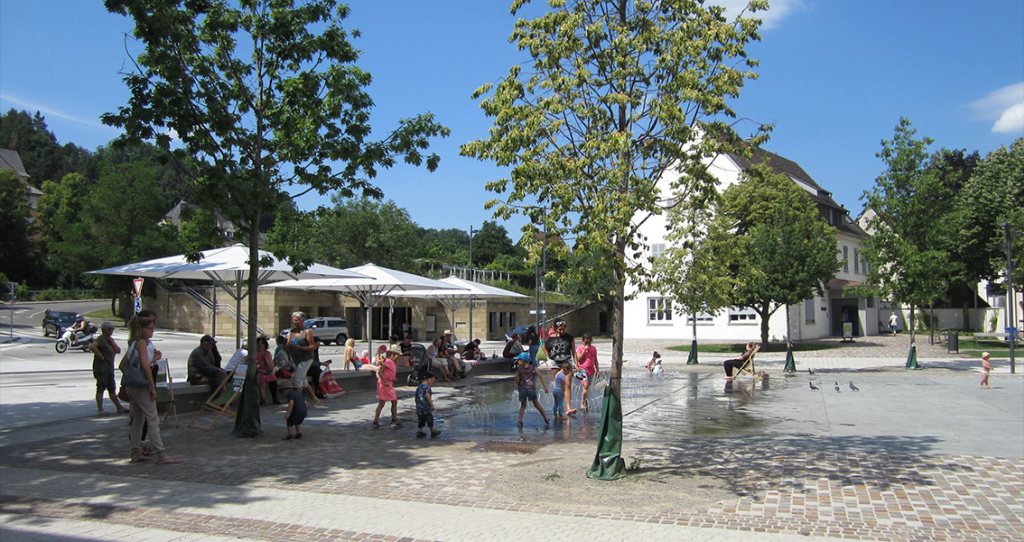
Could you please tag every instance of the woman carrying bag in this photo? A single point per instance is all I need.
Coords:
(137, 378)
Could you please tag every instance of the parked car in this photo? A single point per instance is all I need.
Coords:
(521, 330)
(329, 329)
(54, 322)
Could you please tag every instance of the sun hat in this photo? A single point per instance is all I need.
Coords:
(395, 349)
(524, 356)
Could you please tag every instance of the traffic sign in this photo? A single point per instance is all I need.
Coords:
(138, 305)
(138, 288)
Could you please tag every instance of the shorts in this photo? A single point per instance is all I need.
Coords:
(295, 419)
(527, 394)
(104, 381)
(563, 363)
(425, 420)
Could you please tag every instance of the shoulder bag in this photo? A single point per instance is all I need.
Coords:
(133, 376)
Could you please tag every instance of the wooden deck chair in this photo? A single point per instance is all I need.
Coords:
(748, 366)
(165, 390)
(222, 398)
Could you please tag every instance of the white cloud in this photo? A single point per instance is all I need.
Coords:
(49, 112)
(1005, 106)
(777, 10)
(1012, 120)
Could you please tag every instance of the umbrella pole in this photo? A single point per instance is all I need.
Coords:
(214, 330)
(238, 310)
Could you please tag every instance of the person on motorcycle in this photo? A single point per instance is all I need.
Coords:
(78, 327)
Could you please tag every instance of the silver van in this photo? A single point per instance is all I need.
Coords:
(328, 329)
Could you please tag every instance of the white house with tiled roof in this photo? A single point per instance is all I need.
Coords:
(649, 315)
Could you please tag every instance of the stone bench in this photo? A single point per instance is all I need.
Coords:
(994, 336)
(185, 394)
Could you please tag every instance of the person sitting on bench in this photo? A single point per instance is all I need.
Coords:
(737, 363)
(203, 367)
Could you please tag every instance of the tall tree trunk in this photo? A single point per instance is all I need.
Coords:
(763, 313)
(618, 319)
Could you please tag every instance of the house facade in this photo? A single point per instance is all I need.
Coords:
(649, 315)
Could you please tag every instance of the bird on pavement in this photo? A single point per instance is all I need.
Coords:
(852, 387)
(809, 371)
(837, 387)
(813, 387)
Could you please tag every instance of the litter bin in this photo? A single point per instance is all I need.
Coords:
(953, 342)
(1011, 333)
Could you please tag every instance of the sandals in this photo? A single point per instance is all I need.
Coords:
(420, 434)
(434, 434)
(519, 425)
(167, 460)
(375, 425)
(138, 457)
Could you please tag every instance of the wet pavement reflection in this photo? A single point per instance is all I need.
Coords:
(664, 409)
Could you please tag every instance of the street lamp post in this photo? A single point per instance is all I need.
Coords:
(1011, 299)
(471, 232)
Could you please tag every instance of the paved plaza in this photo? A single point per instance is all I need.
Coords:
(912, 456)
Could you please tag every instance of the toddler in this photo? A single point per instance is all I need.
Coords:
(986, 368)
(425, 406)
(296, 414)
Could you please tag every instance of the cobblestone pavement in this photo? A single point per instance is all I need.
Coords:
(346, 482)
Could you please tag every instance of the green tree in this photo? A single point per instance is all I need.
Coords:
(65, 230)
(489, 242)
(44, 158)
(123, 212)
(619, 107)
(16, 246)
(695, 270)
(910, 232)
(353, 232)
(783, 252)
(990, 197)
(265, 97)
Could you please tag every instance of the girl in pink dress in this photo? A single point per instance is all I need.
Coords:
(386, 376)
(587, 354)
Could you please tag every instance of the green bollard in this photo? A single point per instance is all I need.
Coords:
(692, 360)
(790, 361)
(608, 463)
(912, 358)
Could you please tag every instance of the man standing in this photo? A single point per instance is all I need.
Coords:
(202, 365)
(560, 349)
(103, 351)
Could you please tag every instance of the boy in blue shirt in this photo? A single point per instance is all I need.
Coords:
(425, 406)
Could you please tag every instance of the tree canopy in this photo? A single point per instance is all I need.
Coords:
(619, 106)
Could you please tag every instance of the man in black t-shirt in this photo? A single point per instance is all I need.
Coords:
(560, 349)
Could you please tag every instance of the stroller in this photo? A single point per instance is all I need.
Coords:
(421, 363)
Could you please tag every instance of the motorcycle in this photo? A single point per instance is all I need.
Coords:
(85, 339)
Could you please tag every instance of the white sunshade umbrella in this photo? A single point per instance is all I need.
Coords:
(223, 265)
(453, 300)
(380, 282)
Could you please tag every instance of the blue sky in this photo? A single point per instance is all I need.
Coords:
(835, 78)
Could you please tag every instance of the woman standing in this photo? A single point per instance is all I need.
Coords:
(143, 400)
(532, 342)
(300, 347)
(265, 370)
(587, 355)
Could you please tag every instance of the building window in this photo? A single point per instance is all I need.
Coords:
(871, 302)
(809, 311)
(501, 319)
(492, 322)
(742, 315)
(659, 310)
(846, 260)
(511, 319)
(856, 261)
(702, 318)
(657, 249)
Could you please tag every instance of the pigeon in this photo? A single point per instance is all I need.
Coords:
(837, 387)
(852, 387)
(809, 371)
(813, 387)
